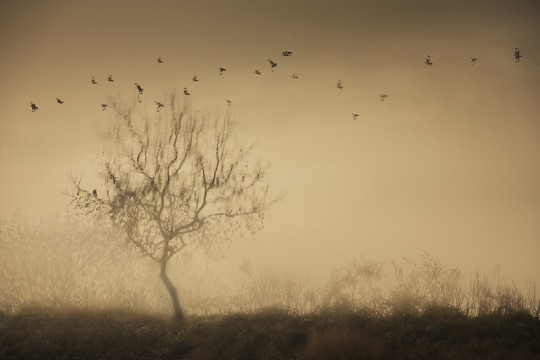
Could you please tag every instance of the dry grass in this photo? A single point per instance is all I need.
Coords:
(271, 334)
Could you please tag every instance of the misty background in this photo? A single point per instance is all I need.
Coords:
(448, 164)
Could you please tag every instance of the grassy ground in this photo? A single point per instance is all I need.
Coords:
(271, 334)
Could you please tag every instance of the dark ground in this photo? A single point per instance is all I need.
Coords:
(270, 334)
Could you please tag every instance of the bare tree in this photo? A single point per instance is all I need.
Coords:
(175, 180)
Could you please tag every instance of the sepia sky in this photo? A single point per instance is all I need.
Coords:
(448, 163)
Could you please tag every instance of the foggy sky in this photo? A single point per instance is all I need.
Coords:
(447, 164)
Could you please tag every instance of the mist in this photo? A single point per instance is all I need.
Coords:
(73, 263)
(385, 205)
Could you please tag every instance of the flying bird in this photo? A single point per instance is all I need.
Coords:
(428, 61)
(229, 102)
(383, 96)
(221, 70)
(139, 88)
(355, 116)
(272, 64)
(159, 60)
(257, 72)
(474, 60)
(295, 76)
(93, 81)
(103, 107)
(186, 92)
(159, 105)
(339, 86)
(195, 78)
(109, 78)
(517, 55)
(59, 101)
(33, 106)
(286, 53)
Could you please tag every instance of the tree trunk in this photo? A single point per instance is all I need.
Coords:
(178, 313)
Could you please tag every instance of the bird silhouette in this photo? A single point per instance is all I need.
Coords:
(186, 92)
(139, 88)
(33, 106)
(473, 60)
(272, 64)
(355, 116)
(257, 72)
(159, 60)
(339, 85)
(59, 101)
(103, 107)
(221, 70)
(428, 61)
(159, 105)
(295, 76)
(286, 53)
(383, 96)
(93, 81)
(94, 192)
(229, 102)
(195, 78)
(109, 78)
(517, 55)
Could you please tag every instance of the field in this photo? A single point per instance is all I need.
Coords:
(70, 291)
(439, 333)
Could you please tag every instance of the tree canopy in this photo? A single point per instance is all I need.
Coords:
(176, 180)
